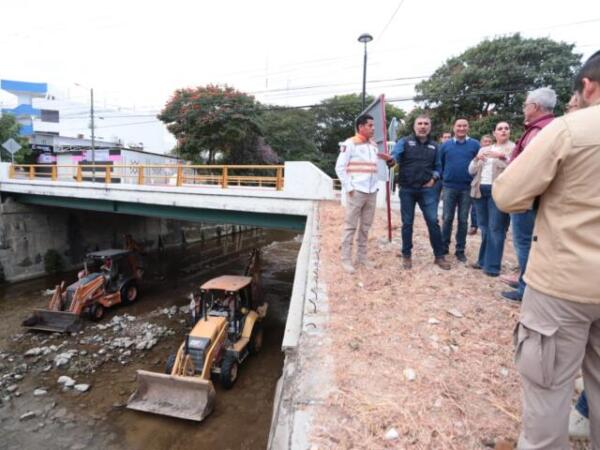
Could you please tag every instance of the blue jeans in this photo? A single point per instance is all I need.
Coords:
(456, 199)
(522, 228)
(427, 199)
(582, 405)
(493, 224)
(474, 215)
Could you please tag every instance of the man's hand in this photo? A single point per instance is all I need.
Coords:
(481, 156)
(430, 183)
(350, 193)
(384, 156)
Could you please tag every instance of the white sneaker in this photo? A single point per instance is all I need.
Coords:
(579, 426)
(348, 267)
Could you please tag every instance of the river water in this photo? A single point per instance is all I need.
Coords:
(97, 419)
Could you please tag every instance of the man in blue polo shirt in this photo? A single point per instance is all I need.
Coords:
(455, 155)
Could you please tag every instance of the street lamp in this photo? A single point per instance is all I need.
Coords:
(92, 127)
(364, 38)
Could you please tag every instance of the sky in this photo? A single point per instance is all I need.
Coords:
(136, 53)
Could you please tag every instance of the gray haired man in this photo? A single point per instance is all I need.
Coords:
(537, 110)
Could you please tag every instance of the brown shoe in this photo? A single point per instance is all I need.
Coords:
(406, 262)
(441, 262)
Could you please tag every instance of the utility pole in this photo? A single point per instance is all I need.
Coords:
(93, 135)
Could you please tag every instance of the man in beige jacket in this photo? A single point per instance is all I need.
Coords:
(559, 325)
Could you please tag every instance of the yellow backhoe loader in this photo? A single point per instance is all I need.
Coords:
(227, 329)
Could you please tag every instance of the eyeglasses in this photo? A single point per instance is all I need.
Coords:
(527, 104)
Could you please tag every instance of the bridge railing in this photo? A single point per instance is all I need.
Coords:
(224, 176)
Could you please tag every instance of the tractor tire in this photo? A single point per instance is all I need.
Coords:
(256, 339)
(229, 371)
(129, 292)
(96, 312)
(170, 363)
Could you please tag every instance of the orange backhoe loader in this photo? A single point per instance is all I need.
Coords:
(109, 277)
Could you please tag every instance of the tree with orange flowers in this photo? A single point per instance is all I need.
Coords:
(214, 123)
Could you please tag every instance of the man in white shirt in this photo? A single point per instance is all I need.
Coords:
(356, 167)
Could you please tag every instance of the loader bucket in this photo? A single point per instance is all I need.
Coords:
(183, 397)
(55, 321)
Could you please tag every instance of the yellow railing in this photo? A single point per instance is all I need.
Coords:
(224, 176)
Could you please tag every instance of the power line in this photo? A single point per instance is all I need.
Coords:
(390, 21)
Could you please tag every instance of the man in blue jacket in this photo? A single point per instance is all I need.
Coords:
(419, 170)
(455, 155)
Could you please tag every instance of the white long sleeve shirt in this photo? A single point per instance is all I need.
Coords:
(356, 166)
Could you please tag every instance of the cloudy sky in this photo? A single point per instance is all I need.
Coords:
(135, 53)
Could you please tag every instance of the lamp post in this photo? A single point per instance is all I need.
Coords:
(364, 38)
(93, 131)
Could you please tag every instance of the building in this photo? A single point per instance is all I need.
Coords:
(54, 123)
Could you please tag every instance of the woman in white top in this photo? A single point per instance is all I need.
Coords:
(493, 223)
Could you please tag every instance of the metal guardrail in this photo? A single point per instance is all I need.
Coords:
(156, 174)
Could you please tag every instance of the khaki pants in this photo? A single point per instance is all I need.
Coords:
(553, 338)
(360, 207)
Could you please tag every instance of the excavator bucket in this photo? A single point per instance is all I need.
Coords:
(191, 398)
(55, 321)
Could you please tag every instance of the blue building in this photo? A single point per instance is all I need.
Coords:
(24, 111)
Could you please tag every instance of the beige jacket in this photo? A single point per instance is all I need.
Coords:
(561, 165)
(498, 165)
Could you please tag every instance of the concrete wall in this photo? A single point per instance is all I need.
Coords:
(28, 232)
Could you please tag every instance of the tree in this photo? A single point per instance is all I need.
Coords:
(213, 121)
(9, 128)
(291, 133)
(489, 82)
(335, 123)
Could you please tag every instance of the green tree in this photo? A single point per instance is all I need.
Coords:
(9, 128)
(335, 123)
(291, 133)
(213, 121)
(489, 82)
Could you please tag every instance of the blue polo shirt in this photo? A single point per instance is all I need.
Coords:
(455, 157)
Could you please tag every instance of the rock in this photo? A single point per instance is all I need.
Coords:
(102, 351)
(433, 321)
(39, 392)
(83, 352)
(391, 434)
(455, 313)
(35, 351)
(47, 369)
(409, 374)
(504, 371)
(60, 413)
(18, 376)
(66, 381)
(361, 284)
(62, 359)
(123, 342)
(82, 387)
(12, 388)
(28, 415)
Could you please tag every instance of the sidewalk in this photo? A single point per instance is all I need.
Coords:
(422, 357)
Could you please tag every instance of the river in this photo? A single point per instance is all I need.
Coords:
(66, 419)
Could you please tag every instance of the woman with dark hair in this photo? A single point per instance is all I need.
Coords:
(493, 223)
